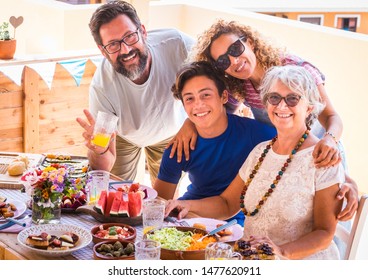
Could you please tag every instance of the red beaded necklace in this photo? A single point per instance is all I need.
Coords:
(278, 177)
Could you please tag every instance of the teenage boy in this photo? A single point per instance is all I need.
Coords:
(224, 140)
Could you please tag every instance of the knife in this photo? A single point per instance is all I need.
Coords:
(220, 228)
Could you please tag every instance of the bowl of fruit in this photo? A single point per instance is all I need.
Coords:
(114, 232)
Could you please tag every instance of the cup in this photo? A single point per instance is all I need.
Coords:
(105, 125)
(147, 250)
(153, 214)
(98, 180)
(221, 251)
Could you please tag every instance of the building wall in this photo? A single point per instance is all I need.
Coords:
(329, 18)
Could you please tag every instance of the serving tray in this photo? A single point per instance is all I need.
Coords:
(14, 182)
(89, 209)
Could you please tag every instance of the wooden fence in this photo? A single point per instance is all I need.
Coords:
(37, 119)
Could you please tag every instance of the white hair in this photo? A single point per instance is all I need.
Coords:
(298, 80)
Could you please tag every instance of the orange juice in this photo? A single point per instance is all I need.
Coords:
(101, 139)
(147, 229)
(93, 198)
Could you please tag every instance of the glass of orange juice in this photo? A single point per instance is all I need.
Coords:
(105, 125)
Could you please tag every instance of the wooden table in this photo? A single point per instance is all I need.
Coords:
(11, 250)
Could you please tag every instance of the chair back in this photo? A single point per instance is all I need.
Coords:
(357, 239)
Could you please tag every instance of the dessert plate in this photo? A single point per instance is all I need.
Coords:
(85, 238)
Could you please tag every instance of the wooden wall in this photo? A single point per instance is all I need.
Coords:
(11, 115)
(36, 119)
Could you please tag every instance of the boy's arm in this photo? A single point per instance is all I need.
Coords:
(164, 189)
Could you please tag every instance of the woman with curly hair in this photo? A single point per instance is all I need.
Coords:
(243, 56)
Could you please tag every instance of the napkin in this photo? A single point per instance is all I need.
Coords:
(14, 228)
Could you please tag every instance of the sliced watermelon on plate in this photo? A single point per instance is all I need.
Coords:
(123, 208)
(101, 203)
(114, 211)
(134, 204)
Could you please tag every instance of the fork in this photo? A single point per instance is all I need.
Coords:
(176, 221)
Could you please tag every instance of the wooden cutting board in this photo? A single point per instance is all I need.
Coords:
(10, 182)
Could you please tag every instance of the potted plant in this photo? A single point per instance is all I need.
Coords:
(7, 42)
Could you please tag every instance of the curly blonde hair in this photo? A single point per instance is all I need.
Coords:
(267, 55)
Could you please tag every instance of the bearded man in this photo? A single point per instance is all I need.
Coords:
(133, 82)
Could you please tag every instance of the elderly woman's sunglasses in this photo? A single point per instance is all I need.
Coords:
(235, 50)
(291, 99)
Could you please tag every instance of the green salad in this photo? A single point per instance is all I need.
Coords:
(171, 238)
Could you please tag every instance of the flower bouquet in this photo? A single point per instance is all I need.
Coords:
(49, 189)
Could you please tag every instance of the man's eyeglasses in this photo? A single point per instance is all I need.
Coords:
(291, 99)
(235, 50)
(128, 40)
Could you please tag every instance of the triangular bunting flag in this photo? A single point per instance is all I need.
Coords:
(96, 60)
(46, 70)
(75, 68)
(13, 72)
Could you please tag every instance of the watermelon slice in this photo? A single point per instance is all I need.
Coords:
(101, 203)
(134, 204)
(110, 200)
(114, 211)
(123, 208)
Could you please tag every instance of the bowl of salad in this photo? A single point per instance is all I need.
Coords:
(113, 231)
(181, 243)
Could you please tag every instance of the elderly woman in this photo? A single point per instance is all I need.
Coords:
(243, 56)
(289, 202)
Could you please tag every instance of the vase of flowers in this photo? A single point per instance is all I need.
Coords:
(47, 188)
(46, 213)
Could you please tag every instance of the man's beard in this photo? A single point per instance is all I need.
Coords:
(132, 72)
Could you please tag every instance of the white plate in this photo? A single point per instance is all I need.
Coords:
(211, 224)
(85, 238)
(151, 193)
(21, 208)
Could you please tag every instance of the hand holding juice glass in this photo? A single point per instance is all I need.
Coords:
(105, 125)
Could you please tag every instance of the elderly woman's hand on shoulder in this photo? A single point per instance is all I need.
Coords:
(326, 153)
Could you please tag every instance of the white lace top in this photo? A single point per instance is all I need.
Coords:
(288, 212)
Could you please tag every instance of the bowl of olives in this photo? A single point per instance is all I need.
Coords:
(114, 250)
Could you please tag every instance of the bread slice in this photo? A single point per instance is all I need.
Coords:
(37, 242)
(200, 226)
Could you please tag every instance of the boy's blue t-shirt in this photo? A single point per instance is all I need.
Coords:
(215, 162)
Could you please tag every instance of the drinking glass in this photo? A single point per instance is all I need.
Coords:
(147, 250)
(153, 214)
(221, 251)
(105, 125)
(98, 180)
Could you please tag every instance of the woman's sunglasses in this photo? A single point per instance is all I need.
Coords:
(291, 99)
(235, 49)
